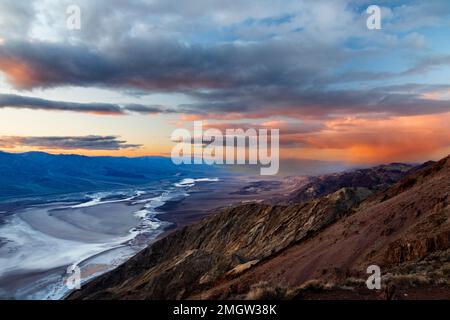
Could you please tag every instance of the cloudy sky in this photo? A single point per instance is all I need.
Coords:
(138, 69)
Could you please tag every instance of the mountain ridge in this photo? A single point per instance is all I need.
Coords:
(224, 255)
(34, 174)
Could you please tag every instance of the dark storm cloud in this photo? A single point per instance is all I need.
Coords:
(23, 102)
(91, 142)
(258, 80)
(161, 65)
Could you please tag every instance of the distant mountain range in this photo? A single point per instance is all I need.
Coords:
(317, 246)
(39, 174)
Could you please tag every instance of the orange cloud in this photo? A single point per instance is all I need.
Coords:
(19, 73)
(412, 138)
(359, 140)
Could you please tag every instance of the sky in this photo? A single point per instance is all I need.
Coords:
(138, 69)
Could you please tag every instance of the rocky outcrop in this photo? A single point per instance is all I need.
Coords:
(410, 250)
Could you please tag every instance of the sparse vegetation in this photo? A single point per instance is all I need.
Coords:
(406, 279)
(433, 270)
(314, 286)
(265, 291)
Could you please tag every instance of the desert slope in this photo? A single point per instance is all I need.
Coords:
(332, 239)
(405, 230)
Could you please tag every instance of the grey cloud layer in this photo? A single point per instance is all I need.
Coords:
(24, 102)
(261, 78)
(68, 143)
(165, 65)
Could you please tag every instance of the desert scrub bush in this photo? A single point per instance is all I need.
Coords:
(446, 270)
(308, 287)
(442, 281)
(414, 279)
(354, 282)
(317, 285)
(265, 291)
(441, 276)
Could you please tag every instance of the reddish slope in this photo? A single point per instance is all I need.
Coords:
(405, 223)
(330, 238)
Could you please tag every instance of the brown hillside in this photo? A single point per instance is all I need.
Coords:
(331, 239)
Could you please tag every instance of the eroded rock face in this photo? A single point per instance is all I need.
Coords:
(410, 250)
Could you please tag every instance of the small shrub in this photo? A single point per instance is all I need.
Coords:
(414, 279)
(265, 291)
(314, 286)
(354, 282)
